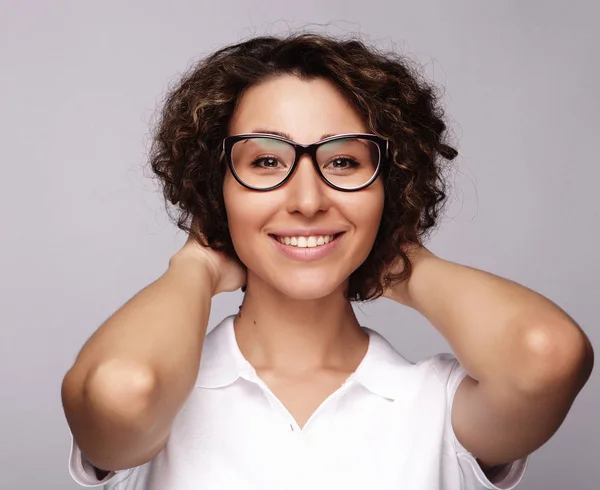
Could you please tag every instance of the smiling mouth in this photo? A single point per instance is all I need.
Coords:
(312, 241)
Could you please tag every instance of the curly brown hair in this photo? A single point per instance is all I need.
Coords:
(394, 99)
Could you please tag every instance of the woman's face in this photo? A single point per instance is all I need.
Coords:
(304, 206)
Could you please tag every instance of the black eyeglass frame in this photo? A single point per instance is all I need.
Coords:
(311, 150)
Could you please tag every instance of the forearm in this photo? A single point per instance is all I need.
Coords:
(496, 327)
(134, 374)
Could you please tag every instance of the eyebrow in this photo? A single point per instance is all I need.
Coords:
(285, 135)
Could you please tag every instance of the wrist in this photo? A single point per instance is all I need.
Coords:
(404, 292)
(196, 265)
(420, 280)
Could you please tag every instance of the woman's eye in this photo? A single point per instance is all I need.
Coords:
(266, 163)
(343, 163)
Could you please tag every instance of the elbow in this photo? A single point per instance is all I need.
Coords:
(557, 356)
(125, 390)
(111, 411)
(116, 391)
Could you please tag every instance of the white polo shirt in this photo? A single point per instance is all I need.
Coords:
(387, 427)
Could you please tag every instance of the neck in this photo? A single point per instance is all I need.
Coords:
(276, 332)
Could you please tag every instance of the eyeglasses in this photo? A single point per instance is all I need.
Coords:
(346, 162)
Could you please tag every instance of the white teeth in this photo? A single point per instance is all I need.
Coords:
(305, 242)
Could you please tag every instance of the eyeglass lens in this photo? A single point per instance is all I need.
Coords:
(265, 162)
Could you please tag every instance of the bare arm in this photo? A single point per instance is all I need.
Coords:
(526, 358)
(134, 374)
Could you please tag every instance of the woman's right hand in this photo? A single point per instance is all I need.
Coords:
(227, 274)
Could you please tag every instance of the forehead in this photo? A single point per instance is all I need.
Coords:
(304, 109)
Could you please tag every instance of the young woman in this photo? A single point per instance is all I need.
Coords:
(309, 171)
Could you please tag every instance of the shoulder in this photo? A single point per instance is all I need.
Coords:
(442, 369)
(445, 366)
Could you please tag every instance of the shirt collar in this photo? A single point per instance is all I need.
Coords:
(381, 371)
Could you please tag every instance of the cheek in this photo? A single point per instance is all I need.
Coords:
(365, 211)
(245, 216)
(239, 216)
(366, 217)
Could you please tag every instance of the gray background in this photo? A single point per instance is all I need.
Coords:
(83, 227)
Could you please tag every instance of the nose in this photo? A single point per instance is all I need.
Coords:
(307, 193)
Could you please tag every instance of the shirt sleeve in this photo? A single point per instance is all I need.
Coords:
(474, 477)
(83, 472)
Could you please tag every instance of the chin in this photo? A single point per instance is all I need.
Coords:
(306, 289)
